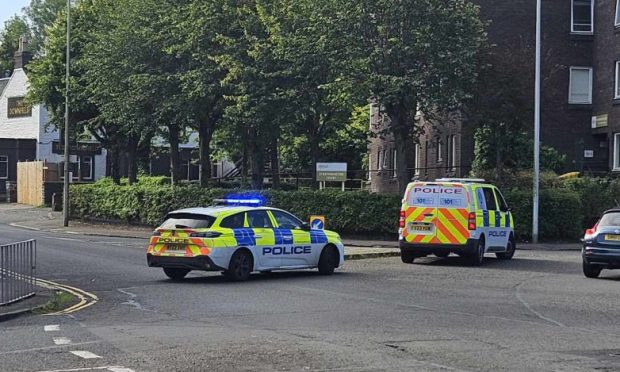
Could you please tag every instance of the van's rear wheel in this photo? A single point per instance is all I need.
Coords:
(176, 274)
(477, 256)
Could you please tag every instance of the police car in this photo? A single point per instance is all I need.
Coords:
(468, 217)
(240, 236)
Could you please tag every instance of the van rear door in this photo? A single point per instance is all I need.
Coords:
(436, 213)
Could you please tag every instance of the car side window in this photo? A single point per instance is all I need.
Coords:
(489, 197)
(503, 206)
(259, 219)
(286, 221)
(236, 221)
(482, 205)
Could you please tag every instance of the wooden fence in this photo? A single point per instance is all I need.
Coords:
(30, 177)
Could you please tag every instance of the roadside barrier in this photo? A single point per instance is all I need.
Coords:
(17, 271)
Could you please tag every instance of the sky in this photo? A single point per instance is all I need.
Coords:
(8, 8)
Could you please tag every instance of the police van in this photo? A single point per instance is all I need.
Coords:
(468, 217)
(240, 236)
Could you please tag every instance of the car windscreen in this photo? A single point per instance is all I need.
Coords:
(187, 221)
(437, 196)
(610, 220)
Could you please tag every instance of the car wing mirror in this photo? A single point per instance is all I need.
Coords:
(306, 226)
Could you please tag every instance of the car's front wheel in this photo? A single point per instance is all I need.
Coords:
(176, 274)
(591, 271)
(328, 260)
(510, 250)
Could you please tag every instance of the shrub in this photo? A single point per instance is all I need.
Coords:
(346, 212)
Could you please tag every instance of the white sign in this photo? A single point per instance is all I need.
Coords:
(331, 172)
(588, 154)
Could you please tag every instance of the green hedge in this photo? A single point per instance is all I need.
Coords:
(565, 211)
(346, 212)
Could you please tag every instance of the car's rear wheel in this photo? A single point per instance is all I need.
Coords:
(328, 260)
(407, 257)
(591, 271)
(476, 258)
(510, 250)
(240, 266)
(176, 274)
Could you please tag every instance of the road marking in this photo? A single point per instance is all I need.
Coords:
(62, 341)
(52, 328)
(47, 348)
(66, 239)
(25, 227)
(108, 368)
(527, 305)
(85, 354)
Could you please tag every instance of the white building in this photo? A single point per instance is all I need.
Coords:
(26, 135)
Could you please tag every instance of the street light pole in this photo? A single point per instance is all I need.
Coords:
(536, 190)
(65, 198)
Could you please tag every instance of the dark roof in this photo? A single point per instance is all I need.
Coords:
(3, 84)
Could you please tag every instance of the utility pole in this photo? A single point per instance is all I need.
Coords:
(535, 202)
(65, 198)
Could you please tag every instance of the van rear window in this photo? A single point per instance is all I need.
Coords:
(436, 196)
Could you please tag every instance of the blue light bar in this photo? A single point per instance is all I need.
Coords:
(243, 200)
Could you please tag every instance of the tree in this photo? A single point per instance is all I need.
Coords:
(420, 57)
(13, 30)
(41, 15)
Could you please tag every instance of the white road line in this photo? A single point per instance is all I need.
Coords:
(66, 239)
(52, 328)
(108, 368)
(47, 348)
(85, 354)
(62, 341)
(529, 307)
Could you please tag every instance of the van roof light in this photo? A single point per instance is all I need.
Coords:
(461, 180)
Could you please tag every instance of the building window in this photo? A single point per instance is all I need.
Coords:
(4, 167)
(617, 23)
(439, 150)
(451, 142)
(86, 167)
(417, 155)
(386, 160)
(394, 164)
(617, 90)
(616, 166)
(580, 87)
(379, 159)
(583, 17)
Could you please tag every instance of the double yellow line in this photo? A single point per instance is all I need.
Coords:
(87, 299)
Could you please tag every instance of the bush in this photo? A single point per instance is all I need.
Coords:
(145, 203)
(560, 216)
(566, 209)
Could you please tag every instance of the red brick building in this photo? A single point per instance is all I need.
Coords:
(580, 91)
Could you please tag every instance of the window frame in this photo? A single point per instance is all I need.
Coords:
(248, 221)
(570, 85)
(616, 153)
(6, 157)
(416, 162)
(572, 19)
(291, 216)
(486, 201)
(439, 150)
(617, 15)
(91, 162)
(231, 217)
(617, 79)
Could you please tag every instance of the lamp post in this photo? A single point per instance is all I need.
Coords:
(65, 198)
(537, 126)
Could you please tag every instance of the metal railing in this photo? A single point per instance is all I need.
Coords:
(17, 271)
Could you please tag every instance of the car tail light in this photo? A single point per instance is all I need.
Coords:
(402, 219)
(471, 221)
(592, 231)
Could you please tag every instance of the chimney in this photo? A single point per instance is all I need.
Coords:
(22, 55)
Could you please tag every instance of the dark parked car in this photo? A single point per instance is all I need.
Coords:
(601, 245)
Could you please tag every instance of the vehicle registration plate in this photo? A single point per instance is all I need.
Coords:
(421, 227)
(615, 238)
(175, 247)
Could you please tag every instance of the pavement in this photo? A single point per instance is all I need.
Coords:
(536, 312)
